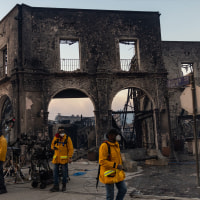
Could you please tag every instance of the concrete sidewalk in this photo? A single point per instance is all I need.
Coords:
(82, 186)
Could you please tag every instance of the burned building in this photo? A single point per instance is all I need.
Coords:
(181, 58)
(33, 72)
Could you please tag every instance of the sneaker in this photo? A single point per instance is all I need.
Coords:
(55, 188)
(63, 187)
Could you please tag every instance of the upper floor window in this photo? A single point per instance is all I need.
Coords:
(128, 55)
(3, 62)
(186, 68)
(69, 55)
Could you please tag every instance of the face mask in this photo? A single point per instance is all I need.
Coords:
(62, 134)
(118, 138)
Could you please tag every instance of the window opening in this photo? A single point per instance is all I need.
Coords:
(128, 56)
(69, 55)
(186, 68)
(5, 61)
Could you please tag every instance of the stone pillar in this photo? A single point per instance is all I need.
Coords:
(109, 118)
(101, 126)
(102, 113)
(157, 129)
(45, 117)
(97, 127)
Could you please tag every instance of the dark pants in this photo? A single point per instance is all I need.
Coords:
(122, 189)
(2, 183)
(64, 173)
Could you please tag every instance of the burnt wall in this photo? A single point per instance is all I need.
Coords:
(36, 76)
(9, 40)
(98, 32)
(176, 53)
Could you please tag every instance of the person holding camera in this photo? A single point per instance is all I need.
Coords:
(63, 151)
(3, 151)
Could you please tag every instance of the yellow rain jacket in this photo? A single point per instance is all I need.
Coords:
(109, 173)
(64, 149)
(3, 148)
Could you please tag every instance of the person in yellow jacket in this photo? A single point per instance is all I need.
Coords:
(63, 151)
(111, 170)
(3, 151)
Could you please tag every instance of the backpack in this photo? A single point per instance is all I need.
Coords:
(65, 142)
(97, 178)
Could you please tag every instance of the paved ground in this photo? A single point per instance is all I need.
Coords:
(176, 181)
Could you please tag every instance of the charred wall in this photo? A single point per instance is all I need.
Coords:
(99, 33)
(175, 54)
(35, 74)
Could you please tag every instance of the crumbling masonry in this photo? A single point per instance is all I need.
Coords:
(32, 73)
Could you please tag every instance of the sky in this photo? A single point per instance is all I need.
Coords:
(179, 18)
(179, 22)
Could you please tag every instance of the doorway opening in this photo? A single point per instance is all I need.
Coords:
(7, 119)
(133, 116)
(73, 109)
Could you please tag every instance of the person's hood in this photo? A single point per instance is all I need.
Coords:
(112, 143)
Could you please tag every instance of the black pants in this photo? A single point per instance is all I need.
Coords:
(2, 183)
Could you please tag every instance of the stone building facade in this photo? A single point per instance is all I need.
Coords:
(31, 71)
(181, 58)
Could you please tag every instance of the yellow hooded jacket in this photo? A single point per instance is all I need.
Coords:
(64, 149)
(107, 164)
(3, 148)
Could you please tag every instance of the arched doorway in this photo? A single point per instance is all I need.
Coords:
(132, 113)
(74, 110)
(7, 119)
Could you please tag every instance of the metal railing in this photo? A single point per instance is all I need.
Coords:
(69, 65)
(74, 64)
(125, 64)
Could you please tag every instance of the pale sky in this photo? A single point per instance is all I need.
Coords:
(179, 18)
(179, 22)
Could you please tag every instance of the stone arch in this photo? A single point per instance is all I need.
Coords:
(6, 114)
(54, 93)
(144, 124)
(35, 76)
(86, 131)
(117, 90)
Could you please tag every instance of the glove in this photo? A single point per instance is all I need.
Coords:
(70, 160)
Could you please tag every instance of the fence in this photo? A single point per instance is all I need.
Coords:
(69, 64)
(74, 64)
(125, 64)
